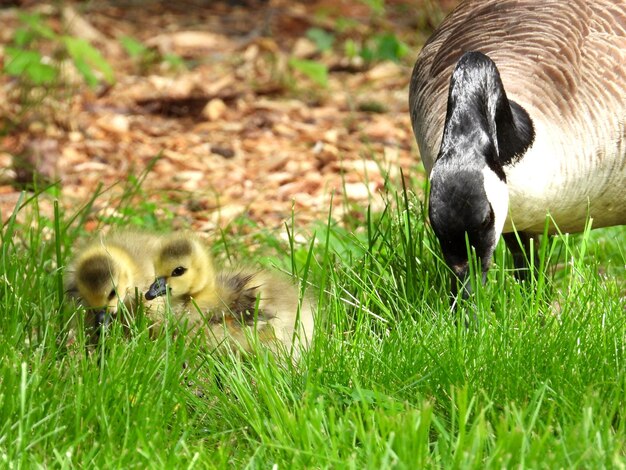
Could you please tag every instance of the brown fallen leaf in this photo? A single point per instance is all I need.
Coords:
(304, 48)
(214, 109)
(190, 44)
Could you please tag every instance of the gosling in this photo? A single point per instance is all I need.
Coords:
(108, 272)
(232, 307)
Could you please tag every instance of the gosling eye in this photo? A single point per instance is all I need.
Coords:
(112, 294)
(179, 271)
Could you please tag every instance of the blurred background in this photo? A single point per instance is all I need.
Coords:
(201, 113)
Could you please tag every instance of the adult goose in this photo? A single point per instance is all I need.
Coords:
(519, 111)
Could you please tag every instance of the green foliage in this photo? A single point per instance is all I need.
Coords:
(133, 48)
(87, 59)
(377, 6)
(394, 379)
(343, 24)
(322, 39)
(29, 65)
(383, 47)
(34, 27)
(372, 106)
(314, 70)
(146, 57)
(379, 47)
(26, 62)
(374, 48)
(351, 48)
(175, 61)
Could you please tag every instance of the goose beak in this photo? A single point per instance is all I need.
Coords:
(461, 281)
(157, 289)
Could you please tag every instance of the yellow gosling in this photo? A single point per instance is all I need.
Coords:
(233, 307)
(108, 272)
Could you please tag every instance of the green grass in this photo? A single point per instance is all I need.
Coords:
(394, 380)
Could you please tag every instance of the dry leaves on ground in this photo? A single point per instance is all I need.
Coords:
(237, 132)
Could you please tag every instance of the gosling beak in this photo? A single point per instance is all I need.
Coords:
(157, 289)
(103, 319)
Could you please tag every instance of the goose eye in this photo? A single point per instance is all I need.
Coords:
(112, 294)
(179, 271)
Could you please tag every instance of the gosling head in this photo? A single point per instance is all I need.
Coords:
(472, 203)
(103, 278)
(183, 268)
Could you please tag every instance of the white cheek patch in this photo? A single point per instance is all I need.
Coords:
(498, 196)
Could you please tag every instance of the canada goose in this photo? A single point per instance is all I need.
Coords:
(231, 305)
(519, 109)
(108, 271)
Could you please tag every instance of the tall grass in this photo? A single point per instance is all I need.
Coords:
(394, 379)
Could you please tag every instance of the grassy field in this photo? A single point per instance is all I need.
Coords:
(394, 379)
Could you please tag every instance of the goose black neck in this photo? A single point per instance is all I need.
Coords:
(482, 125)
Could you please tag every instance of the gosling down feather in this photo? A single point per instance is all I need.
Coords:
(231, 307)
(108, 272)
(519, 109)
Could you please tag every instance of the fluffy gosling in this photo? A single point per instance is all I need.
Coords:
(232, 306)
(108, 271)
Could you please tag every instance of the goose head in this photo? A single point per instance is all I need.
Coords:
(483, 133)
(468, 208)
(104, 277)
(183, 268)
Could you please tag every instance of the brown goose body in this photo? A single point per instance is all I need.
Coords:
(564, 62)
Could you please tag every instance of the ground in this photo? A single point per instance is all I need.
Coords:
(213, 111)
